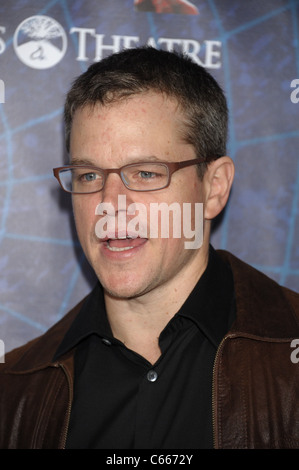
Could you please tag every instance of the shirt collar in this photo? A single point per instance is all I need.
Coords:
(91, 319)
(210, 305)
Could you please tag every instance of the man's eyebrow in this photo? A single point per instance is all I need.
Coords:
(142, 158)
(81, 161)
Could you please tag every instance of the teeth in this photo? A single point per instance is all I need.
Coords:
(114, 248)
(121, 238)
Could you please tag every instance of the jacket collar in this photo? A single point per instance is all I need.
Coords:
(38, 353)
(262, 306)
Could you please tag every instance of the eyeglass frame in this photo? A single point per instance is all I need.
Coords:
(172, 167)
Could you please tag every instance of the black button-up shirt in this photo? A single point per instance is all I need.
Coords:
(121, 401)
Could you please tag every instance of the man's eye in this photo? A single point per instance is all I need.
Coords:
(88, 177)
(147, 174)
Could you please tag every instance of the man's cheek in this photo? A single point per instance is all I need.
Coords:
(84, 221)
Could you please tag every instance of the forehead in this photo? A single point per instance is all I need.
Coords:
(147, 119)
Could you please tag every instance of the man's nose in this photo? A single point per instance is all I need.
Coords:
(113, 188)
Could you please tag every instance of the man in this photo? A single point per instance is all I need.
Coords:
(177, 346)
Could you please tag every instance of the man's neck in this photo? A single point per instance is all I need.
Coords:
(138, 321)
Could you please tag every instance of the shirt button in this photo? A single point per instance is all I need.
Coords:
(152, 376)
(106, 341)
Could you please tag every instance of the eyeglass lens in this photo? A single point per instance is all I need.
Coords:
(139, 177)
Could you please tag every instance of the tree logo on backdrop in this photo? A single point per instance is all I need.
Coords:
(40, 42)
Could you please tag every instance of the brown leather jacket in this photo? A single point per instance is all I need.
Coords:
(255, 382)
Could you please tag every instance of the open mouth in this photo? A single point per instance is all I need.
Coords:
(124, 243)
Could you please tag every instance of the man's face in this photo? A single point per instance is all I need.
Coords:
(142, 128)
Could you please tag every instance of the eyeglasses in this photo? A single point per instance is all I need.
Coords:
(144, 176)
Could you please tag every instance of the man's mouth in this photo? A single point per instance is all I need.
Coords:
(123, 243)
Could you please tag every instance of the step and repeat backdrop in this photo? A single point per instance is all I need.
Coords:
(250, 47)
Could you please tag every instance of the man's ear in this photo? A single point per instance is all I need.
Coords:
(218, 181)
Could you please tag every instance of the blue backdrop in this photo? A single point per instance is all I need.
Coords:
(250, 47)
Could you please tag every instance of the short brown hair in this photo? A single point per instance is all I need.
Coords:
(144, 69)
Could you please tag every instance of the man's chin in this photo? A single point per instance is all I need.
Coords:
(121, 294)
(124, 289)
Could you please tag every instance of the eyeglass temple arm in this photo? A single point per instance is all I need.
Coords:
(178, 165)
